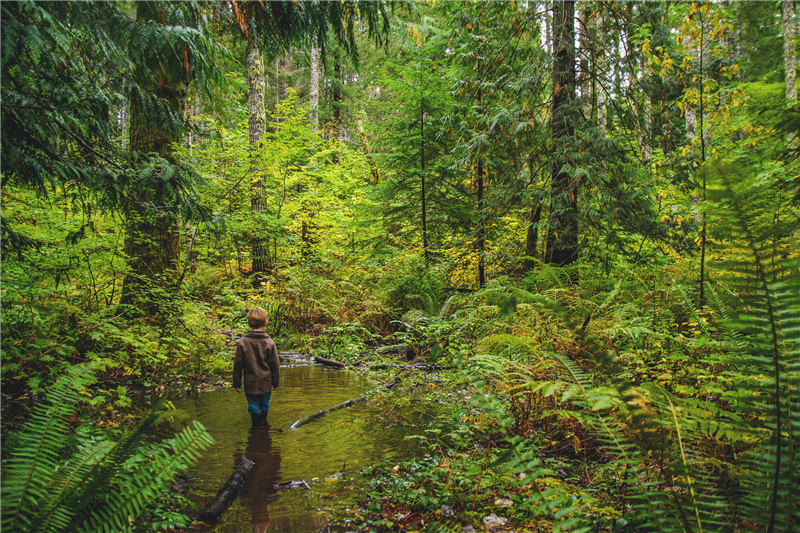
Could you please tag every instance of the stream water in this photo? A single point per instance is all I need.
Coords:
(335, 446)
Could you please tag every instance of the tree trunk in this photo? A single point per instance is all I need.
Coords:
(313, 91)
(599, 64)
(701, 78)
(562, 239)
(585, 18)
(152, 233)
(257, 123)
(422, 174)
(335, 131)
(283, 67)
(689, 113)
(790, 60)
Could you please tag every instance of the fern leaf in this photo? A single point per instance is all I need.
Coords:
(32, 463)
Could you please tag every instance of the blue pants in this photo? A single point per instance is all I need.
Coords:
(258, 403)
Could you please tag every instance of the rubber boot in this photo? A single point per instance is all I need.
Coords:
(263, 416)
(257, 419)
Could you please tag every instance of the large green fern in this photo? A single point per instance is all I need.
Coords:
(50, 486)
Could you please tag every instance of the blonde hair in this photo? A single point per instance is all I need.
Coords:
(256, 318)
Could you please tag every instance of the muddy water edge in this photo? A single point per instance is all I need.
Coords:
(324, 455)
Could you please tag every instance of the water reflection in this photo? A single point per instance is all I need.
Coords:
(346, 440)
(259, 492)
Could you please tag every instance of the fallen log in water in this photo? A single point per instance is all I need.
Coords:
(214, 511)
(348, 403)
(320, 414)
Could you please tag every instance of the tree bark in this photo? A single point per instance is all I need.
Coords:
(152, 232)
(562, 239)
(257, 124)
(422, 174)
(585, 19)
(790, 60)
(599, 64)
(313, 91)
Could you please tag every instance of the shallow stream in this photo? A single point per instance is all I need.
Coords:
(335, 446)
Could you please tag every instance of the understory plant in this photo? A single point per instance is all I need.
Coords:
(59, 479)
(720, 456)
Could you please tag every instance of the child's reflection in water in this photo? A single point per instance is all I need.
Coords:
(258, 491)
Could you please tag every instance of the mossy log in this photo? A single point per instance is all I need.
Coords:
(214, 511)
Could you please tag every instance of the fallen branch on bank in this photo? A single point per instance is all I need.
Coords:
(348, 403)
(214, 511)
(426, 367)
(392, 348)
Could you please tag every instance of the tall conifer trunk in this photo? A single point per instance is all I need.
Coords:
(562, 239)
(790, 59)
(257, 124)
(313, 91)
(599, 63)
(152, 233)
(422, 172)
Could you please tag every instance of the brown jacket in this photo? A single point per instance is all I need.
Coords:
(256, 357)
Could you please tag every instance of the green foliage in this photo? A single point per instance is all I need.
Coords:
(624, 405)
(53, 482)
(74, 62)
(686, 463)
(411, 284)
(343, 342)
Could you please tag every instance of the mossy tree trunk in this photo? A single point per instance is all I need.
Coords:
(257, 122)
(152, 233)
(790, 60)
(562, 239)
(313, 91)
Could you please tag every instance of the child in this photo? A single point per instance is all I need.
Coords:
(256, 357)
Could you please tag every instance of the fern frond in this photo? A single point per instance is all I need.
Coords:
(38, 450)
(132, 495)
(47, 487)
(56, 514)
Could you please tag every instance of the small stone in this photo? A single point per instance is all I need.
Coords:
(468, 529)
(447, 511)
(493, 521)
